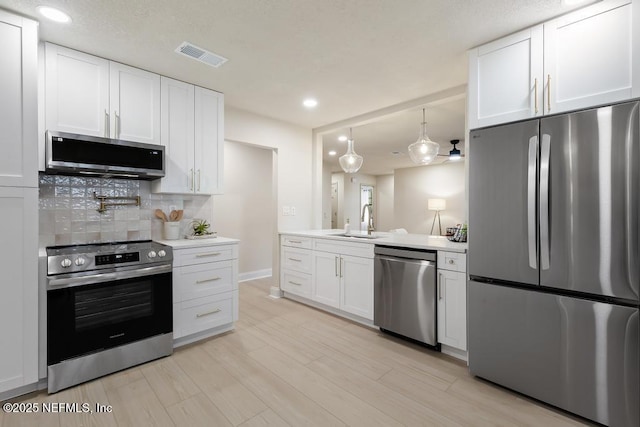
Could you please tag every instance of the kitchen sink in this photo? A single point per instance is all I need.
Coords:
(356, 236)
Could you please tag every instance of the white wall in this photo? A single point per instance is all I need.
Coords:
(245, 211)
(292, 168)
(349, 197)
(414, 186)
(384, 205)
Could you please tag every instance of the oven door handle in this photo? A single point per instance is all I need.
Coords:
(68, 282)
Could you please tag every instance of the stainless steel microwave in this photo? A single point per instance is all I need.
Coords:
(71, 154)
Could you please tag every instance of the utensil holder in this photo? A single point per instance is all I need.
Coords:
(172, 230)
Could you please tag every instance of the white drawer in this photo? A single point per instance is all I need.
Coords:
(206, 313)
(204, 254)
(333, 246)
(296, 259)
(453, 261)
(296, 283)
(200, 280)
(296, 241)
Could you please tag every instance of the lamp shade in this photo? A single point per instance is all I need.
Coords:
(436, 204)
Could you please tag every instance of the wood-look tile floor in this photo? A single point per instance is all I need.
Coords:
(288, 364)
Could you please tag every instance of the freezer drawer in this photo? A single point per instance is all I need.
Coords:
(576, 354)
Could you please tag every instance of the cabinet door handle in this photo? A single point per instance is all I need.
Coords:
(208, 313)
(116, 121)
(295, 259)
(535, 95)
(213, 279)
(198, 180)
(548, 92)
(295, 283)
(107, 123)
(335, 264)
(191, 179)
(207, 254)
(341, 265)
(439, 286)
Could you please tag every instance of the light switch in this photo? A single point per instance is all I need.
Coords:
(293, 210)
(286, 210)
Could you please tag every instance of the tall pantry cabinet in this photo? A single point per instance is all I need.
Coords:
(18, 205)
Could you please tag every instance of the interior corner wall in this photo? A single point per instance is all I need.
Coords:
(244, 210)
(414, 186)
(293, 145)
(384, 205)
(326, 197)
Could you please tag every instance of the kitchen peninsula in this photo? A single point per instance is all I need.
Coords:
(334, 271)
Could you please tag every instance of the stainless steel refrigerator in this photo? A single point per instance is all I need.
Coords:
(554, 260)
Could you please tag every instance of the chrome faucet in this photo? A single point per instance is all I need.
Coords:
(368, 208)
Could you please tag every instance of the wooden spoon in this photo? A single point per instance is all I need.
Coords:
(173, 216)
(160, 214)
(180, 213)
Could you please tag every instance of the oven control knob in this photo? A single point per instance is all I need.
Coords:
(80, 261)
(161, 253)
(65, 263)
(152, 254)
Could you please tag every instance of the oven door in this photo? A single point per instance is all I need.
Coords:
(101, 311)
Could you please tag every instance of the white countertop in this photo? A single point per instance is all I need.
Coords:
(188, 243)
(416, 241)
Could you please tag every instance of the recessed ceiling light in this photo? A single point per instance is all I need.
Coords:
(332, 153)
(397, 153)
(342, 138)
(309, 102)
(54, 14)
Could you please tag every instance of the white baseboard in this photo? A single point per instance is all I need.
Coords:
(251, 275)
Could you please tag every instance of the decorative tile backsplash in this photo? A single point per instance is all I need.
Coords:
(69, 215)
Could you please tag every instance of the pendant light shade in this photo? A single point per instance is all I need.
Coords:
(350, 162)
(424, 150)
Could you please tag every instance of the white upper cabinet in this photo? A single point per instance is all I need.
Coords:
(177, 114)
(209, 141)
(93, 96)
(18, 101)
(579, 60)
(587, 57)
(192, 133)
(505, 79)
(135, 104)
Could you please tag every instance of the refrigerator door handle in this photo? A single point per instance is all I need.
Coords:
(531, 200)
(545, 155)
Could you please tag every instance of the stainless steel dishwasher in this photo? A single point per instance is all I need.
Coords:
(405, 293)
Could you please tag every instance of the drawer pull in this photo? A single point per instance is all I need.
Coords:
(213, 279)
(207, 254)
(295, 259)
(451, 261)
(295, 283)
(295, 241)
(208, 313)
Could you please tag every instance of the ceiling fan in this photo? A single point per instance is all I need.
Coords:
(454, 154)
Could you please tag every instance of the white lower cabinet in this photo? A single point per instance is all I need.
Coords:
(205, 290)
(452, 300)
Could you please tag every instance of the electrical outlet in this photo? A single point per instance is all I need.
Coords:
(286, 210)
(293, 210)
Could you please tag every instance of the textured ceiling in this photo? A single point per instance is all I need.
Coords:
(354, 56)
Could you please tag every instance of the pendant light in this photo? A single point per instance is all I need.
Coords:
(424, 150)
(350, 162)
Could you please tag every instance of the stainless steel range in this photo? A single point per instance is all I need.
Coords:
(109, 307)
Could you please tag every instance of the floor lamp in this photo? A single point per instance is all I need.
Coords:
(436, 205)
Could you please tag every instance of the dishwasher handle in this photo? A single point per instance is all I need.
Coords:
(406, 253)
(406, 260)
